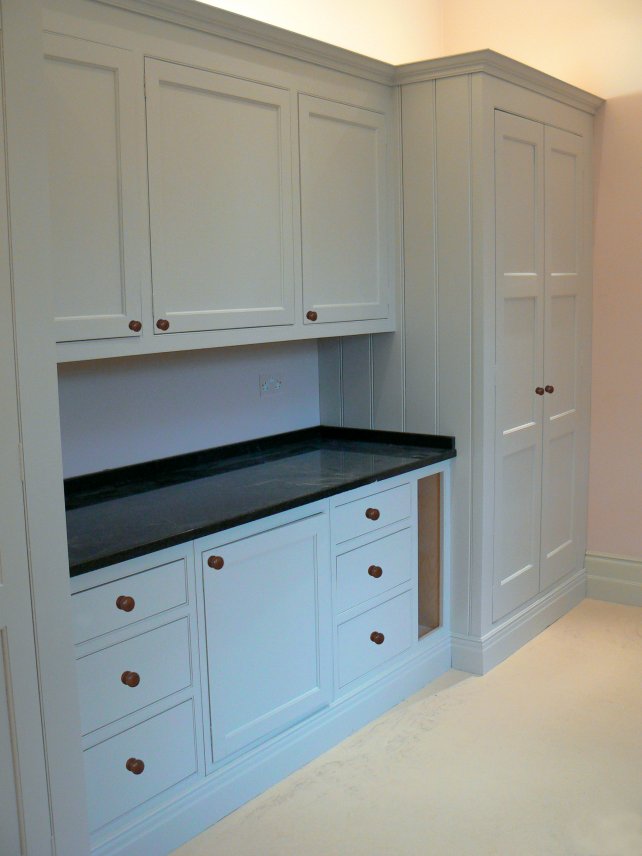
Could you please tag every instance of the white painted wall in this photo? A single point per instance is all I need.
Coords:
(123, 411)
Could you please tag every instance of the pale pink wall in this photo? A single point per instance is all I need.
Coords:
(594, 44)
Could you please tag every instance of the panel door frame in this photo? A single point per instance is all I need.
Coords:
(158, 72)
(122, 63)
(521, 584)
(313, 298)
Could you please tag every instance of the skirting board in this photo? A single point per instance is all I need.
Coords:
(478, 656)
(614, 578)
(164, 830)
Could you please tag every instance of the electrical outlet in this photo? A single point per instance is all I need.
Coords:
(270, 384)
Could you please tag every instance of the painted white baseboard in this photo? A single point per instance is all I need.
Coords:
(171, 825)
(614, 578)
(479, 655)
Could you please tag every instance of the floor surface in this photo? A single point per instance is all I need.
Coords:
(540, 757)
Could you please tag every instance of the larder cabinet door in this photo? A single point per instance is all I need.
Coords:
(519, 167)
(220, 187)
(95, 188)
(268, 631)
(565, 323)
(344, 212)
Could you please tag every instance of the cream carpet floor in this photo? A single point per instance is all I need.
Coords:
(540, 757)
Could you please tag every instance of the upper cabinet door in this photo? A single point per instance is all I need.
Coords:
(92, 95)
(344, 212)
(220, 188)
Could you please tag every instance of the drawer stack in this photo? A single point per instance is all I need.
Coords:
(136, 657)
(375, 567)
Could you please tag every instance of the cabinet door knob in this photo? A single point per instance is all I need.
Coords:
(135, 766)
(373, 513)
(311, 315)
(375, 571)
(539, 390)
(130, 679)
(216, 562)
(162, 324)
(377, 637)
(125, 602)
(549, 388)
(135, 326)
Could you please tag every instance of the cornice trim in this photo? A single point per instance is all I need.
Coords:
(228, 25)
(503, 67)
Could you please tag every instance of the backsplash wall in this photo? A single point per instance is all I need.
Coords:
(123, 411)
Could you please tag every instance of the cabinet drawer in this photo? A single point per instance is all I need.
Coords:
(373, 569)
(358, 653)
(370, 513)
(98, 610)
(166, 746)
(132, 674)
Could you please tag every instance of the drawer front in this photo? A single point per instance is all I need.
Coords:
(370, 513)
(373, 569)
(100, 610)
(166, 746)
(358, 653)
(132, 674)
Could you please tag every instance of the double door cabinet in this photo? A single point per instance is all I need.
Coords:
(208, 670)
(191, 200)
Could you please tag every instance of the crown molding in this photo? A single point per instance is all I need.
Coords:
(228, 25)
(503, 67)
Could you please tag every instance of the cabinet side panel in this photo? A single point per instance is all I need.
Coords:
(454, 271)
(330, 390)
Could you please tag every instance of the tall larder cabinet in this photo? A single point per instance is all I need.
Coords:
(497, 241)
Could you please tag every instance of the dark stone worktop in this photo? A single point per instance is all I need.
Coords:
(122, 513)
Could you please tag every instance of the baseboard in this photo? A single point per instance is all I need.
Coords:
(614, 578)
(479, 655)
(164, 830)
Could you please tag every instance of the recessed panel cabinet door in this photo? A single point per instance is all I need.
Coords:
(92, 93)
(564, 317)
(519, 165)
(220, 187)
(268, 630)
(344, 204)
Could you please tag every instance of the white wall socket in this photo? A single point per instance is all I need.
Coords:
(270, 384)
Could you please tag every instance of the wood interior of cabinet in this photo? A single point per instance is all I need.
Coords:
(429, 571)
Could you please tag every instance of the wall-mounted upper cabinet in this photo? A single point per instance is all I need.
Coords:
(94, 189)
(220, 187)
(344, 212)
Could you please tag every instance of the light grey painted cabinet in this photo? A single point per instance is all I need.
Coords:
(220, 200)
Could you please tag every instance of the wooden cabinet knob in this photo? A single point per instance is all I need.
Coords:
(549, 388)
(216, 562)
(311, 315)
(377, 637)
(375, 571)
(162, 324)
(373, 513)
(539, 390)
(135, 326)
(125, 602)
(130, 679)
(135, 766)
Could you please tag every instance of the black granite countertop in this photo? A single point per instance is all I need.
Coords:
(122, 513)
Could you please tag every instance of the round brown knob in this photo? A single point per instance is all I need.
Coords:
(135, 766)
(130, 679)
(377, 637)
(373, 513)
(539, 390)
(125, 602)
(311, 315)
(549, 388)
(135, 326)
(375, 571)
(216, 562)
(162, 324)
